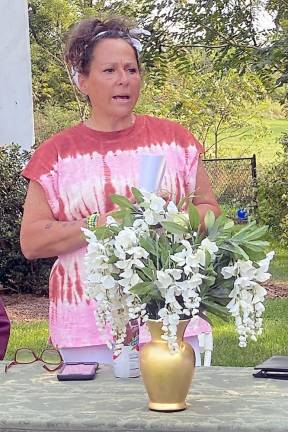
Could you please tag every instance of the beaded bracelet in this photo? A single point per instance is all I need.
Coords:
(91, 221)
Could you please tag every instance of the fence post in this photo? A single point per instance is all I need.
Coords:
(254, 177)
(253, 166)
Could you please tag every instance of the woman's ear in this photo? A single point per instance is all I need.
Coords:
(82, 83)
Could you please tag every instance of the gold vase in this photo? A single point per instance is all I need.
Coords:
(167, 377)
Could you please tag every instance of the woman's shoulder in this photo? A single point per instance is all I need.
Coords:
(61, 137)
(171, 130)
(163, 122)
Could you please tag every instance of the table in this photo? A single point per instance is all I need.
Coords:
(220, 399)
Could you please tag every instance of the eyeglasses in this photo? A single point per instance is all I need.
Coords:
(50, 357)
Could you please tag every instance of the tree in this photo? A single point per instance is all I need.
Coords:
(228, 30)
(215, 107)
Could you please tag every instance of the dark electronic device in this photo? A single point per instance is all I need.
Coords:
(77, 371)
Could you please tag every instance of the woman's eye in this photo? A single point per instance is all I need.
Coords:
(109, 70)
(132, 70)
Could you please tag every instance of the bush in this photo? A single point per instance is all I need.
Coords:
(273, 196)
(17, 274)
(52, 118)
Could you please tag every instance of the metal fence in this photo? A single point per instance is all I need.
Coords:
(234, 182)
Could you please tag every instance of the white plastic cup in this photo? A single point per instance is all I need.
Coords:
(151, 171)
(127, 364)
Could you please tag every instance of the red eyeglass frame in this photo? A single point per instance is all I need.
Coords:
(36, 358)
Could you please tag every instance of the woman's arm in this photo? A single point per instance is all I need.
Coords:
(204, 198)
(41, 235)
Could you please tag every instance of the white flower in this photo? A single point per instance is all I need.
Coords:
(108, 282)
(208, 245)
(246, 269)
(164, 280)
(150, 217)
(229, 271)
(172, 209)
(126, 238)
(264, 264)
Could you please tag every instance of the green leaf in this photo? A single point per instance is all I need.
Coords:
(113, 259)
(234, 248)
(147, 291)
(146, 272)
(119, 215)
(165, 249)
(128, 219)
(209, 220)
(240, 234)
(174, 228)
(137, 195)
(194, 217)
(221, 224)
(255, 246)
(216, 309)
(121, 201)
(220, 291)
(256, 233)
(228, 225)
(149, 245)
(102, 232)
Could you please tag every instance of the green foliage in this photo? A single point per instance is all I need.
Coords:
(50, 118)
(16, 273)
(218, 108)
(226, 34)
(273, 196)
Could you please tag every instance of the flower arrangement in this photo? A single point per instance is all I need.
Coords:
(153, 261)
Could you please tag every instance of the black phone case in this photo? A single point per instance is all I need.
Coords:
(275, 367)
(77, 376)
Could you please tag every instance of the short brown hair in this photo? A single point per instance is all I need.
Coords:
(82, 40)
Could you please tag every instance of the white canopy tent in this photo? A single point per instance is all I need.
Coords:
(16, 108)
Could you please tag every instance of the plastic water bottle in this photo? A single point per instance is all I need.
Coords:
(126, 364)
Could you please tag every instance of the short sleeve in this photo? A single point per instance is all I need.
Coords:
(42, 168)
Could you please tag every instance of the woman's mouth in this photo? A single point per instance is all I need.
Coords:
(121, 98)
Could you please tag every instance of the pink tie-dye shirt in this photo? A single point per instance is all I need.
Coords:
(79, 168)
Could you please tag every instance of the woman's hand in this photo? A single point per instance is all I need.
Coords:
(102, 218)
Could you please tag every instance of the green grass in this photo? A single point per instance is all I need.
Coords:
(265, 147)
(274, 340)
(279, 264)
(28, 335)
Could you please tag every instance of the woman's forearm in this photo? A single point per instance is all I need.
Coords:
(49, 238)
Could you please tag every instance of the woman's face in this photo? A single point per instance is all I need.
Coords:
(113, 83)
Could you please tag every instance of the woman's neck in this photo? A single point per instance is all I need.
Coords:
(111, 124)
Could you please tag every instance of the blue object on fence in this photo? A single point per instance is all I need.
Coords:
(242, 214)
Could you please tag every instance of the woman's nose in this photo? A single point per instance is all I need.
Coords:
(122, 76)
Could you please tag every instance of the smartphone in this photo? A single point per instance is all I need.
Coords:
(77, 371)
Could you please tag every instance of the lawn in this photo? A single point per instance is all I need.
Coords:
(279, 265)
(265, 147)
(274, 340)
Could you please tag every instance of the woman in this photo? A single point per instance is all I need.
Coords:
(73, 173)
